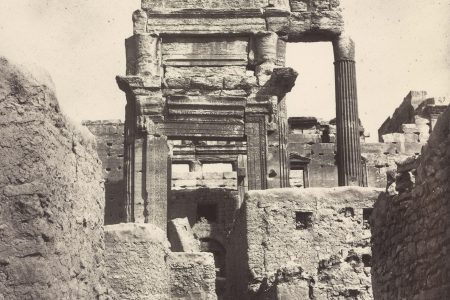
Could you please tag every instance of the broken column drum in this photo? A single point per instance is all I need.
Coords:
(208, 71)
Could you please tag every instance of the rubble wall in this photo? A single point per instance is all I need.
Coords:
(411, 235)
(313, 242)
(192, 276)
(135, 258)
(51, 196)
(109, 136)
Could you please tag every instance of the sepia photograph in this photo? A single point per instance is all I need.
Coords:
(225, 149)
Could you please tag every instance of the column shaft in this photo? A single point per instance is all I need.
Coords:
(347, 125)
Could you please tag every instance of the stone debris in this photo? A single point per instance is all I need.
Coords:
(181, 236)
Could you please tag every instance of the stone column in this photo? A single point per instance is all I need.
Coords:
(147, 155)
(347, 122)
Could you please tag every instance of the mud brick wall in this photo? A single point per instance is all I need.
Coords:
(192, 276)
(135, 259)
(298, 242)
(51, 196)
(411, 235)
(109, 136)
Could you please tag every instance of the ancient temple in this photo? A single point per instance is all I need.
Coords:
(210, 191)
(213, 73)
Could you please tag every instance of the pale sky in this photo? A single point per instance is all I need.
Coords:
(401, 45)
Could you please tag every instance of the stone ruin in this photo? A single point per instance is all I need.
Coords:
(208, 190)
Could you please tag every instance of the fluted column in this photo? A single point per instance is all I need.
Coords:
(347, 122)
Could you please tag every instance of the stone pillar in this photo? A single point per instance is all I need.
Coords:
(147, 154)
(347, 122)
(255, 130)
(156, 180)
(147, 175)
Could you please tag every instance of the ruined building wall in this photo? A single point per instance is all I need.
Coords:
(109, 137)
(51, 196)
(302, 244)
(413, 120)
(140, 266)
(410, 229)
(315, 143)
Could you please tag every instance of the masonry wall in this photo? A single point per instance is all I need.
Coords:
(51, 196)
(411, 235)
(378, 159)
(109, 136)
(302, 244)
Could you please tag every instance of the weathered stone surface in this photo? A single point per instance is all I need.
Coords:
(413, 120)
(320, 235)
(135, 259)
(51, 196)
(192, 276)
(109, 137)
(181, 237)
(410, 229)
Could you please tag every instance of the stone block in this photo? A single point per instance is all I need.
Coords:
(135, 257)
(411, 138)
(192, 276)
(229, 175)
(393, 138)
(409, 128)
(181, 237)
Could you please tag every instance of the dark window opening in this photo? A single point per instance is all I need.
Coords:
(367, 260)
(303, 219)
(367, 212)
(348, 212)
(207, 211)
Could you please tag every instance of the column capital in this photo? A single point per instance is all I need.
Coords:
(343, 48)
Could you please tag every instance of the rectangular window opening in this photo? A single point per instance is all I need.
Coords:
(303, 219)
(367, 212)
